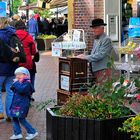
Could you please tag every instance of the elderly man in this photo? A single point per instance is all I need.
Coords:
(101, 52)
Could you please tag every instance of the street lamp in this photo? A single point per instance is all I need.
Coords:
(10, 12)
(12, 8)
(10, 5)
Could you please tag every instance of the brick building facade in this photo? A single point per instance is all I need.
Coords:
(86, 10)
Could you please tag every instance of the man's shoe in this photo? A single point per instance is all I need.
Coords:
(1, 116)
(16, 137)
(31, 136)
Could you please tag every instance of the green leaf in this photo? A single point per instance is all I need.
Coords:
(15, 6)
(121, 80)
(109, 65)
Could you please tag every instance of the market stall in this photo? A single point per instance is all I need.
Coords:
(129, 62)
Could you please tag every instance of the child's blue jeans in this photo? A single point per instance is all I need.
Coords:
(24, 123)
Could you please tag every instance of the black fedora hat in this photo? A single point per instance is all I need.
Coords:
(98, 22)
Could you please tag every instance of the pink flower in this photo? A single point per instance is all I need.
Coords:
(137, 52)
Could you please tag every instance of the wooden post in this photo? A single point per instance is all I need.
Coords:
(71, 14)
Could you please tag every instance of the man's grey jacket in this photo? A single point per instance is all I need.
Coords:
(101, 53)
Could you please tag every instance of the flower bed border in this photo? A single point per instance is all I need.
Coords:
(71, 128)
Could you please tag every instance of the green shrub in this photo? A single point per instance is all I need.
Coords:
(102, 102)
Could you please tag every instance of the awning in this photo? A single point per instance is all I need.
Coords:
(52, 4)
(60, 10)
(63, 10)
(33, 6)
(58, 3)
(30, 8)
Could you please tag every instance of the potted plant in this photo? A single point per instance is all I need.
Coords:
(96, 116)
(44, 41)
(40, 44)
(132, 126)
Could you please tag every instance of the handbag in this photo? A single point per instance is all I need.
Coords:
(37, 57)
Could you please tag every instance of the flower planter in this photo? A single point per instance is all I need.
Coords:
(48, 43)
(40, 44)
(44, 44)
(70, 128)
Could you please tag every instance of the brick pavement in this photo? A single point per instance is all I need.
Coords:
(46, 85)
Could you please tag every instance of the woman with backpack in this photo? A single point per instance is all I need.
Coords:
(29, 48)
(7, 67)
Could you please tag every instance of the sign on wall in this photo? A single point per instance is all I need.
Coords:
(112, 14)
(112, 27)
(3, 8)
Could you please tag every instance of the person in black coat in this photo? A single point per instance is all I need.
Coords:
(40, 26)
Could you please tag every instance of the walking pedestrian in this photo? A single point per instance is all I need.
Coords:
(23, 90)
(7, 68)
(46, 26)
(33, 27)
(40, 26)
(53, 27)
(15, 18)
(29, 49)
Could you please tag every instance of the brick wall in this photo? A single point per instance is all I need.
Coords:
(134, 6)
(99, 8)
(84, 12)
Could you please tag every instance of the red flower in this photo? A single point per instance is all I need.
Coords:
(138, 96)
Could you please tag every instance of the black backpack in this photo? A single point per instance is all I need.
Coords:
(16, 44)
(6, 54)
(15, 50)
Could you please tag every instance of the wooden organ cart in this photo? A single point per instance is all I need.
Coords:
(72, 78)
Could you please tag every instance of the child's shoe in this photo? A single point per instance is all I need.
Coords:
(15, 137)
(8, 119)
(1, 116)
(31, 136)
